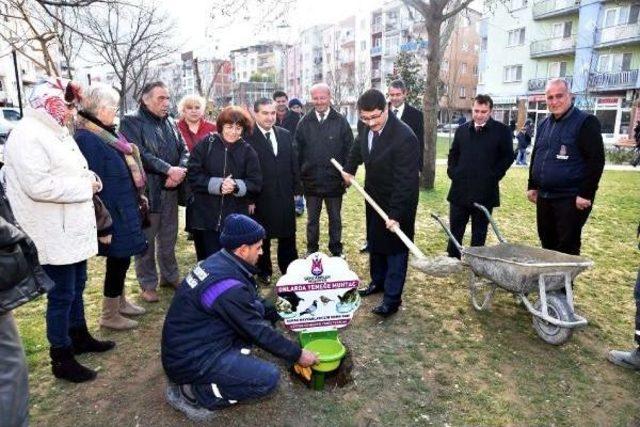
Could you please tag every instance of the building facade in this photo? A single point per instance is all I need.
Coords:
(593, 44)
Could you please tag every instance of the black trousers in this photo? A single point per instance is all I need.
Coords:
(287, 252)
(560, 224)
(206, 242)
(115, 275)
(314, 208)
(458, 218)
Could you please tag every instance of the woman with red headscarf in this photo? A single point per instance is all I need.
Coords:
(51, 188)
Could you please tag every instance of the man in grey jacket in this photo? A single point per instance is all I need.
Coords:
(164, 157)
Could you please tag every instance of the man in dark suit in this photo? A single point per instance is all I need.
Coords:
(397, 94)
(274, 206)
(481, 153)
(388, 148)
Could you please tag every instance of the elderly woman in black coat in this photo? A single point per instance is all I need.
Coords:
(224, 173)
(117, 162)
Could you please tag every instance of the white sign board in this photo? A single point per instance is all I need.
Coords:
(318, 293)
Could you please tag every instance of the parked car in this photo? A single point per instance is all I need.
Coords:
(448, 127)
(8, 120)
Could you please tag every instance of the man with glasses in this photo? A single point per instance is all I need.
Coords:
(388, 148)
(164, 157)
(480, 155)
(566, 166)
(323, 134)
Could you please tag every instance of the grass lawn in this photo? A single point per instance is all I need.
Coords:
(437, 361)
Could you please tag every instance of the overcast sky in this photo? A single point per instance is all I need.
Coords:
(195, 31)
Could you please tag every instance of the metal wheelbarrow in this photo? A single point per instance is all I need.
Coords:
(523, 270)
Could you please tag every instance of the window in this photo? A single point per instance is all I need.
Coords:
(562, 29)
(475, 70)
(515, 37)
(518, 4)
(363, 45)
(465, 47)
(557, 69)
(463, 68)
(611, 17)
(512, 73)
(614, 63)
(462, 92)
(483, 44)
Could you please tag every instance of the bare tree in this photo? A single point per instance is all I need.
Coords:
(439, 24)
(129, 40)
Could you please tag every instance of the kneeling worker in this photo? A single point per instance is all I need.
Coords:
(215, 317)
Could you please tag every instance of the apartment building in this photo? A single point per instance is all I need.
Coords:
(593, 44)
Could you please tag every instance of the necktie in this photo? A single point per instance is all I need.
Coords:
(478, 128)
(271, 145)
(321, 117)
(374, 140)
(395, 111)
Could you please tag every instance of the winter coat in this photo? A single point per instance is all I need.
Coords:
(477, 162)
(118, 193)
(161, 146)
(290, 121)
(21, 276)
(204, 129)
(49, 186)
(275, 208)
(415, 120)
(211, 161)
(317, 144)
(391, 180)
(215, 310)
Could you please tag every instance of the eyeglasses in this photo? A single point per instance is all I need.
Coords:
(369, 119)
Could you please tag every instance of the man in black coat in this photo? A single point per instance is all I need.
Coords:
(397, 94)
(274, 206)
(388, 148)
(323, 134)
(285, 118)
(480, 155)
(164, 157)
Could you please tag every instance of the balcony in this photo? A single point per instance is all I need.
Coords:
(375, 74)
(553, 47)
(376, 27)
(317, 77)
(538, 85)
(413, 46)
(391, 50)
(613, 81)
(317, 61)
(376, 51)
(550, 8)
(618, 35)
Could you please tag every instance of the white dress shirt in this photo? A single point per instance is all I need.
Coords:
(272, 138)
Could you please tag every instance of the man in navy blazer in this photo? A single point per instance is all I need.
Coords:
(274, 207)
(388, 148)
(397, 94)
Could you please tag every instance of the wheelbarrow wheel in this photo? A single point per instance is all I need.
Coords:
(558, 308)
(481, 292)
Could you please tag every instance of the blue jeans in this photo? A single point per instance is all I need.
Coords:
(236, 377)
(299, 204)
(65, 308)
(521, 159)
(388, 272)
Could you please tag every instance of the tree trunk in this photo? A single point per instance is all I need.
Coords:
(430, 104)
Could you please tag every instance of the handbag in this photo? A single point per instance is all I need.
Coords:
(103, 217)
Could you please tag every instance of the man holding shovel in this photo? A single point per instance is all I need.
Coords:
(389, 149)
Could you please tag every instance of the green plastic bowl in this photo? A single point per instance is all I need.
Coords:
(330, 353)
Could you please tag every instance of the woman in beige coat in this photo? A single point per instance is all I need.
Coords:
(50, 188)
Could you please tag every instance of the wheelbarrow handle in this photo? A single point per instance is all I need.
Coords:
(449, 233)
(491, 221)
(405, 239)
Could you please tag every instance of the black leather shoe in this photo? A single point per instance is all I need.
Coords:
(370, 290)
(385, 310)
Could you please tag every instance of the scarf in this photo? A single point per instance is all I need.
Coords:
(130, 151)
